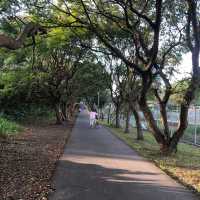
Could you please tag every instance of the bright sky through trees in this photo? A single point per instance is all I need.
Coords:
(185, 66)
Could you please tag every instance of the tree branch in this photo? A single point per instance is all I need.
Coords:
(30, 30)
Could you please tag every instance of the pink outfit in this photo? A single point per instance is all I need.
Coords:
(93, 118)
(93, 115)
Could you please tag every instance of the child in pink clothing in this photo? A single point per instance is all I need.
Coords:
(93, 115)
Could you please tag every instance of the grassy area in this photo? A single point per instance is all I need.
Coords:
(184, 165)
(8, 127)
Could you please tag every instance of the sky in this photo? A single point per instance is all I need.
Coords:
(185, 67)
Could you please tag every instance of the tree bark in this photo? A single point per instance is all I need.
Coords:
(108, 119)
(109, 110)
(117, 117)
(58, 115)
(163, 113)
(189, 96)
(64, 111)
(152, 125)
(194, 45)
(140, 135)
(70, 111)
(128, 115)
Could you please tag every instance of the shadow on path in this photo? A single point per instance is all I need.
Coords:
(95, 182)
(98, 166)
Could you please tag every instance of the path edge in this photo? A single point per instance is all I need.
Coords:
(166, 172)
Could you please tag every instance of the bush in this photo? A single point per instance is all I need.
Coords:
(28, 112)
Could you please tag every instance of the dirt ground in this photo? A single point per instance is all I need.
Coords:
(27, 161)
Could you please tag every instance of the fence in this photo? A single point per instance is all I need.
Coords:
(192, 133)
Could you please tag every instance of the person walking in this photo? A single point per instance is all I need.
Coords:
(93, 115)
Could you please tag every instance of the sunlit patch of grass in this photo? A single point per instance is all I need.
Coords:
(184, 165)
(8, 127)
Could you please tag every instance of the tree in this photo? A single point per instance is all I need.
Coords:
(193, 43)
(90, 79)
(57, 63)
(144, 26)
(117, 86)
(132, 97)
(144, 37)
(13, 36)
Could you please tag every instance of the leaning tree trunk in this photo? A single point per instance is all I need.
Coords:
(189, 96)
(140, 135)
(152, 124)
(169, 146)
(194, 45)
(127, 127)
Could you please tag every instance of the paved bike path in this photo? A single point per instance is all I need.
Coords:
(98, 166)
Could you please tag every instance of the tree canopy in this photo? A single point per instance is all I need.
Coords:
(65, 46)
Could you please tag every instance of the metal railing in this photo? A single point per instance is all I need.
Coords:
(192, 133)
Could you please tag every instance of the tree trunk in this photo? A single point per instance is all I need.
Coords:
(102, 116)
(64, 111)
(152, 124)
(127, 127)
(58, 115)
(138, 125)
(194, 45)
(108, 120)
(117, 119)
(70, 111)
(189, 96)
(163, 113)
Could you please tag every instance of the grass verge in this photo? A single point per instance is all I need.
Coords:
(8, 127)
(184, 166)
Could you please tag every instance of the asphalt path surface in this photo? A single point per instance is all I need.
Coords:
(98, 166)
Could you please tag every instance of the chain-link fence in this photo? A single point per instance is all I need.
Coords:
(191, 135)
